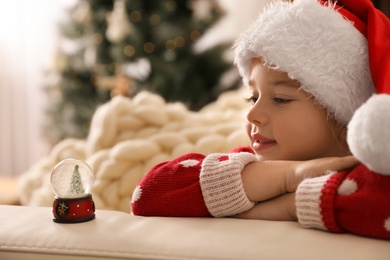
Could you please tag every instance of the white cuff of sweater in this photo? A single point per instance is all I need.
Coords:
(221, 184)
(307, 201)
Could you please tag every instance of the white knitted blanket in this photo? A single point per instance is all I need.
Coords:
(129, 136)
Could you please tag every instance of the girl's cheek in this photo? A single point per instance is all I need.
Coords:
(248, 127)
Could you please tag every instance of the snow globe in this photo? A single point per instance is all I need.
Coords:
(72, 181)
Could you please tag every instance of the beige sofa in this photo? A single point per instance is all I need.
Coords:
(127, 137)
(29, 233)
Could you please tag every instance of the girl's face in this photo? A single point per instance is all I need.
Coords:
(285, 123)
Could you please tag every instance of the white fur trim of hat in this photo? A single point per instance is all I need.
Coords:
(315, 45)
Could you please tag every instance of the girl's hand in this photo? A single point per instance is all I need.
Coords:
(264, 180)
(317, 167)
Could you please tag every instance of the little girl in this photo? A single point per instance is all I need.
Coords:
(307, 67)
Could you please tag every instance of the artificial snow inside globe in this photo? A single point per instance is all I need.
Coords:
(72, 181)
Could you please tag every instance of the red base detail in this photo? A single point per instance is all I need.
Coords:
(73, 210)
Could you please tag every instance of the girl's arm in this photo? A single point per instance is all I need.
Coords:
(219, 185)
(280, 208)
(287, 175)
(263, 180)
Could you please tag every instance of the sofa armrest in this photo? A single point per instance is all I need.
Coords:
(30, 233)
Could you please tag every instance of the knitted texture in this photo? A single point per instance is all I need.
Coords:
(362, 203)
(129, 136)
(308, 199)
(194, 185)
(222, 188)
(312, 196)
(171, 189)
(355, 201)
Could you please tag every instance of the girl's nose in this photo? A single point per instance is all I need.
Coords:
(258, 113)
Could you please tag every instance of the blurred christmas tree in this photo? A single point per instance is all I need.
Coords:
(118, 47)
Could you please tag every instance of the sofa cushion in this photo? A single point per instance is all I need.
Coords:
(30, 233)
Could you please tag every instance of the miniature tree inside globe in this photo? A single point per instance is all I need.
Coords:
(76, 185)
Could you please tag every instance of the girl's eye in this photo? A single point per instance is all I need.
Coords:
(281, 101)
(251, 100)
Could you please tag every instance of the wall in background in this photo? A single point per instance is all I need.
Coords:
(27, 41)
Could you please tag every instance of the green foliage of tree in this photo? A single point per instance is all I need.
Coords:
(142, 45)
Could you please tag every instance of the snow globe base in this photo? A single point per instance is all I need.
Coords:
(73, 210)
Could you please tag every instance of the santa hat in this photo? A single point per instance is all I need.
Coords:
(339, 52)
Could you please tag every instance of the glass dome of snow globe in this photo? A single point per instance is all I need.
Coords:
(72, 178)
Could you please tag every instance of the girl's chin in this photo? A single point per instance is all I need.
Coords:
(263, 157)
(268, 154)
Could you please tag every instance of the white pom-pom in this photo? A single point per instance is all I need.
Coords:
(369, 134)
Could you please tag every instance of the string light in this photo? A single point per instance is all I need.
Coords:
(149, 47)
(154, 19)
(180, 41)
(135, 16)
(170, 45)
(170, 6)
(129, 50)
(195, 36)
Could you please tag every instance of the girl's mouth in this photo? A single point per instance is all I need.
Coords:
(259, 145)
(261, 142)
